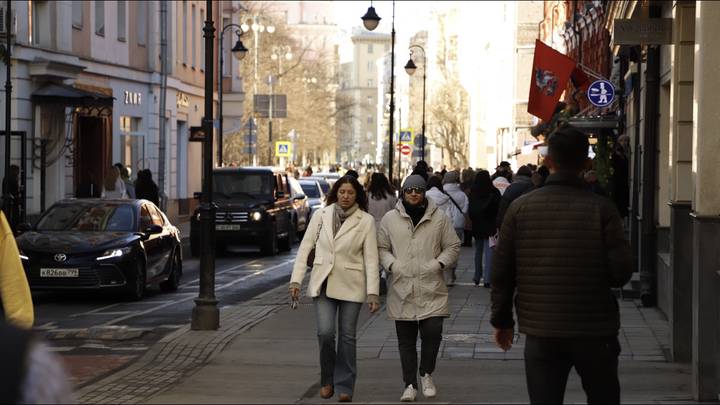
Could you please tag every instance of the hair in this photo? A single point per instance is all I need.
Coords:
(482, 185)
(352, 173)
(568, 148)
(420, 172)
(524, 171)
(360, 196)
(421, 164)
(434, 181)
(467, 175)
(379, 187)
(543, 171)
(111, 177)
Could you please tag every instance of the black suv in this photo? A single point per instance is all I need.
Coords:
(254, 208)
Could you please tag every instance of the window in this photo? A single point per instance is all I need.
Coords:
(370, 82)
(202, 42)
(184, 32)
(193, 24)
(370, 119)
(142, 11)
(121, 27)
(370, 48)
(132, 145)
(370, 67)
(227, 54)
(100, 18)
(369, 100)
(77, 14)
(145, 217)
(40, 24)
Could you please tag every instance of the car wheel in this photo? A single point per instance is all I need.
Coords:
(173, 281)
(136, 283)
(269, 245)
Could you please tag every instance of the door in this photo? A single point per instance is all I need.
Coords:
(92, 153)
(166, 239)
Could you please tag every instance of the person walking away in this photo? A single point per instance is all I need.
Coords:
(31, 373)
(539, 176)
(344, 275)
(435, 194)
(113, 186)
(561, 285)
(145, 187)
(381, 200)
(15, 299)
(483, 208)
(467, 177)
(457, 210)
(500, 181)
(621, 174)
(521, 184)
(416, 242)
(125, 177)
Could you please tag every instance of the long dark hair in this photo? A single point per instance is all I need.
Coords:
(360, 196)
(379, 187)
(482, 185)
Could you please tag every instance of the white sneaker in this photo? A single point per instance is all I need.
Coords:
(409, 394)
(428, 387)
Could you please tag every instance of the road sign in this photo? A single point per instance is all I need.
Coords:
(406, 136)
(261, 105)
(601, 93)
(283, 149)
(406, 150)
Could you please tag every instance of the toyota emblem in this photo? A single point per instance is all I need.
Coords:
(60, 257)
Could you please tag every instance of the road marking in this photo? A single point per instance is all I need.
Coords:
(222, 287)
(109, 313)
(91, 312)
(60, 348)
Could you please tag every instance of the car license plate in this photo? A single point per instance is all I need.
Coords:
(227, 227)
(59, 272)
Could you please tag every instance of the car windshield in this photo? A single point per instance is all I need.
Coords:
(310, 190)
(325, 186)
(101, 217)
(243, 185)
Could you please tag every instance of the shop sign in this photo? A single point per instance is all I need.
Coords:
(132, 97)
(182, 99)
(648, 31)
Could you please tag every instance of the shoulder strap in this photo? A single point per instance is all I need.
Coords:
(317, 236)
(453, 201)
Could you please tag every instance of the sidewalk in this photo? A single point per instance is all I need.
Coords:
(267, 353)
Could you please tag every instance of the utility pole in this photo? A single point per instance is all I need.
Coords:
(7, 199)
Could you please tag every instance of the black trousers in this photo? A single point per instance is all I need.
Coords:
(430, 336)
(548, 362)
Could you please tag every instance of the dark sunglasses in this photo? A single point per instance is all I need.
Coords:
(416, 190)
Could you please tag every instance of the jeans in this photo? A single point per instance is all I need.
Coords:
(337, 368)
(430, 336)
(548, 362)
(482, 267)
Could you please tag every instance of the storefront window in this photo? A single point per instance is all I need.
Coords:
(132, 144)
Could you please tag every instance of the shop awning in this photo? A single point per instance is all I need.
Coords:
(71, 96)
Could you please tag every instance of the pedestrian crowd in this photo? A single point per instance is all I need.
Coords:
(117, 184)
(549, 245)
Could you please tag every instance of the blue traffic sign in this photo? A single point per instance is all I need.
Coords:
(601, 93)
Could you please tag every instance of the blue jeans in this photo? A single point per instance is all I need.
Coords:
(482, 268)
(337, 368)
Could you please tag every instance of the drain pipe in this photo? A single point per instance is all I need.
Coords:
(162, 151)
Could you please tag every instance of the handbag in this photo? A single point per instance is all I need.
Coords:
(311, 255)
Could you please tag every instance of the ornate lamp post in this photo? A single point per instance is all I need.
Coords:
(239, 51)
(205, 314)
(371, 21)
(410, 69)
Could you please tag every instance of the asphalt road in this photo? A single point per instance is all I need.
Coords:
(66, 318)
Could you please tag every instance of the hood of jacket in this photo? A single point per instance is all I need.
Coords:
(452, 188)
(437, 196)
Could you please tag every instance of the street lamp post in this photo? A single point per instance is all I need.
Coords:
(205, 313)
(410, 69)
(239, 51)
(277, 54)
(371, 21)
(7, 199)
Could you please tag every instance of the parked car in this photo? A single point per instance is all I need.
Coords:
(99, 244)
(314, 192)
(301, 205)
(254, 207)
(331, 178)
(324, 185)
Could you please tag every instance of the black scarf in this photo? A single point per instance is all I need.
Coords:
(415, 212)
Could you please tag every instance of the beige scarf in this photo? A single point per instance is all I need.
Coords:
(341, 215)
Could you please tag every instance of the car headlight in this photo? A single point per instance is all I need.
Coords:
(256, 216)
(114, 253)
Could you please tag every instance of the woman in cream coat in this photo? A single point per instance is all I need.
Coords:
(344, 275)
(417, 241)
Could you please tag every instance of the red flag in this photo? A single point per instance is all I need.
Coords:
(579, 79)
(550, 74)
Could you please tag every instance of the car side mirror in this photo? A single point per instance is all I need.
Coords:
(279, 194)
(24, 227)
(299, 197)
(153, 229)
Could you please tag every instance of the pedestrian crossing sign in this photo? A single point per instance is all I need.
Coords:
(406, 136)
(283, 149)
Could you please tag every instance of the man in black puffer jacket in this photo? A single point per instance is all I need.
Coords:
(562, 248)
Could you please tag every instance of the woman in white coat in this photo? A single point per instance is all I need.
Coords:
(416, 242)
(344, 275)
